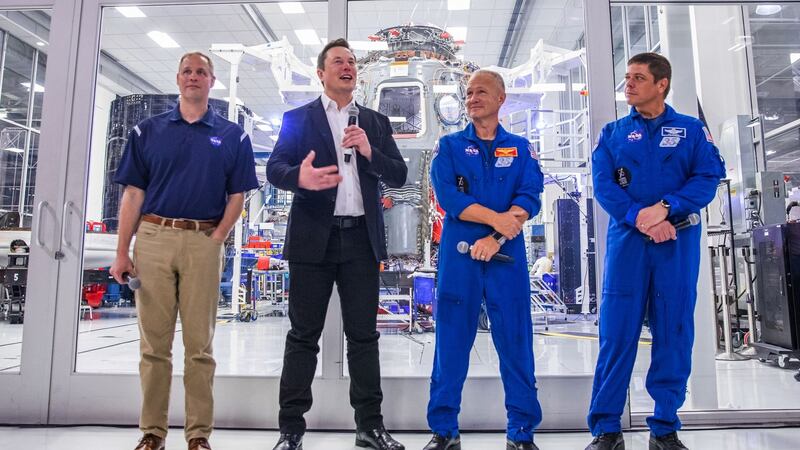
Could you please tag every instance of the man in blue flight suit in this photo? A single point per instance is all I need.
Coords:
(488, 182)
(651, 170)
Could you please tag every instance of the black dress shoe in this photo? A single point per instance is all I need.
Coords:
(514, 445)
(379, 439)
(289, 441)
(666, 442)
(607, 441)
(439, 442)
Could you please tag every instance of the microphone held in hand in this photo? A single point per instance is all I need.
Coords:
(351, 120)
(690, 221)
(133, 282)
(464, 248)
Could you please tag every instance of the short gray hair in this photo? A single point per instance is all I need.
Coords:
(501, 84)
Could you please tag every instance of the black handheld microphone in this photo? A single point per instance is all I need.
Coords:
(133, 282)
(351, 120)
(464, 248)
(690, 221)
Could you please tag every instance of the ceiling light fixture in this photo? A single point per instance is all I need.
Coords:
(291, 7)
(793, 57)
(768, 10)
(162, 39)
(40, 43)
(457, 5)
(131, 12)
(218, 85)
(264, 127)
(307, 36)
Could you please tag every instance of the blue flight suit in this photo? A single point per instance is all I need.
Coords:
(465, 171)
(637, 163)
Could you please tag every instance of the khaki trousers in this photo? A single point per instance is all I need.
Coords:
(180, 273)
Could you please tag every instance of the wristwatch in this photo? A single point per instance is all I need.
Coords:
(665, 204)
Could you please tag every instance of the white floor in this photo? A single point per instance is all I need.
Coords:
(110, 344)
(107, 438)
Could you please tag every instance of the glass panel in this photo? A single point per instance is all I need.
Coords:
(699, 40)
(38, 94)
(137, 80)
(655, 36)
(19, 143)
(537, 51)
(17, 73)
(637, 33)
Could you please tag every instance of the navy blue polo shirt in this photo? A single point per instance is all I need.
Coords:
(187, 169)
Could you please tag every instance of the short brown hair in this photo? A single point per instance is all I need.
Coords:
(341, 42)
(498, 79)
(658, 65)
(201, 55)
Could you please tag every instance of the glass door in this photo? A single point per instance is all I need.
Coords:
(264, 55)
(750, 109)
(34, 43)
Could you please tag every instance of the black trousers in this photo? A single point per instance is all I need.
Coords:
(350, 262)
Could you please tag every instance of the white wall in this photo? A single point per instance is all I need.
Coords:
(97, 157)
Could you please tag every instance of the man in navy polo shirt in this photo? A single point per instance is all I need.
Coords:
(185, 174)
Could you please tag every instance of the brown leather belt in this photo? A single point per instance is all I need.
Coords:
(181, 224)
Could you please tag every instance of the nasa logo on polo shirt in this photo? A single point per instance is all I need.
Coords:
(635, 136)
(472, 150)
(216, 141)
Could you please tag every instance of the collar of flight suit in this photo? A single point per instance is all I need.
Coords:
(500, 136)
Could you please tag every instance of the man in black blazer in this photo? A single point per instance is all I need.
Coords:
(335, 234)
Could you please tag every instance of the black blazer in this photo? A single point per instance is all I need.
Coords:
(311, 216)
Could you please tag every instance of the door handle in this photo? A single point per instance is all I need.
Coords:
(38, 221)
(65, 224)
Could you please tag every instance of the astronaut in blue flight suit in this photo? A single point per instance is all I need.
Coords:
(488, 181)
(651, 170)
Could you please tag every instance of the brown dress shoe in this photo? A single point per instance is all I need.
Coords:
(150, 442)
(199, 444)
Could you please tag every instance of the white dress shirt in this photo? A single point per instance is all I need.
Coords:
(349, 201)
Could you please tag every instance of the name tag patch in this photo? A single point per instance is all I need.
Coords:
(673, 131)
(622, 176)
(504, 161)
(461, 184)
(216, 141)
(635, 136)
(472, 151)
(670, 141)
(501, 152)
